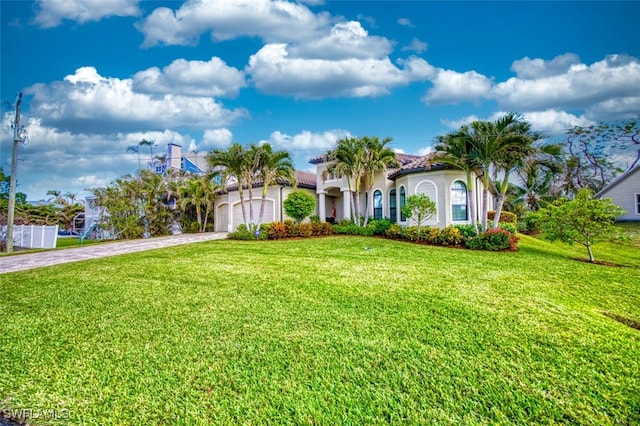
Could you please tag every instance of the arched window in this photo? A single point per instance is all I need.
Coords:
(459, 201)
(393, 210)
(403, 201)
(377, 204)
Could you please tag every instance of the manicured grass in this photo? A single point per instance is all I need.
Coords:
(339, 330)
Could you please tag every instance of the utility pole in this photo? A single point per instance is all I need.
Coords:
(18, 136)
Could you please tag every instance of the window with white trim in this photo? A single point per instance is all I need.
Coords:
(393, 210)
(403, 202)
(377, 204)
(459, 201)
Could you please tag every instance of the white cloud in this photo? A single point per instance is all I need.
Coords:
(191, 78)
(307, 140)
(539, 68)
(273, 71)
(51, 13)
(451, 87)
(416, 46)
(345, 40)
(90, 103)
(581, 86)
(226, 19)
(215, 138)
(552, 121)
(406, 22)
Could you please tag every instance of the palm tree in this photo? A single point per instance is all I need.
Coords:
(378, 156)
(136, 149)
(348, 162)
(232, 165)
(514, 143)
(454, 149)
(270, 167)
(199, 192)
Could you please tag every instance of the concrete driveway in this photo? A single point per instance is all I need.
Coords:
(21, 262)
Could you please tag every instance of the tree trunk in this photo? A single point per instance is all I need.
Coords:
(472, 208)
(591, 258)
(485, 203)
(496, 219)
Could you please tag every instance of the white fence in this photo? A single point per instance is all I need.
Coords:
(33, 236)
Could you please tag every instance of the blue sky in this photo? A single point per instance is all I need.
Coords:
(98, 76)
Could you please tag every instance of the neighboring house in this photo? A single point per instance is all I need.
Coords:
(441, 183)
(228, 209)
(624, 191)
(176, 159)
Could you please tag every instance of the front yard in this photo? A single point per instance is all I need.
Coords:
(336, 330)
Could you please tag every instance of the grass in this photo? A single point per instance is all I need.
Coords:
(323, 331)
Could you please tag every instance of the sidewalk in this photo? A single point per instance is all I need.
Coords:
(21, 262)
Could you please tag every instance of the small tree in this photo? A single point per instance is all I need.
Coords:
(420, 208)
(584, 220)
(299, 205)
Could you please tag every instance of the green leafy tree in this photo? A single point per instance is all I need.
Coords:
(420, 208)
(299, 205)
(584, 220)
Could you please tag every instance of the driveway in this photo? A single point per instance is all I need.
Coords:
(21, 262)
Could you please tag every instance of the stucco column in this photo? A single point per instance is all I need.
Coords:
(346, 204)
(322, 208)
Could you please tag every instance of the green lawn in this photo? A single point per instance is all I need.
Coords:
(338, 330)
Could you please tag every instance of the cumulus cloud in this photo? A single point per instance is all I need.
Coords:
(273, 71)
(215, 138)
(344, 40)
(51, 13)
(191, 78)
(452, 87)
(580, 86)
(527, 68)
(226, 19)
(416, 46)
(88, 102)
(307, 140)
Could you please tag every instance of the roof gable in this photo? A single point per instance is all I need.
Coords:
(626, 175)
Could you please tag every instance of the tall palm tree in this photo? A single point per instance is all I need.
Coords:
(272, 165)
(515, 141)
(377, 157)
(454, 149)
(233, 166)
(348, 162)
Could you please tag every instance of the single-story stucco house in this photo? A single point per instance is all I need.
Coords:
(416, 175)
(624, 191)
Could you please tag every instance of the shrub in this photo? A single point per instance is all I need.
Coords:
(395, 231)
(380, 226)
(278, 231)
(508, 226)
(495, 240)
(507, 217)
(466, 231)
(430, 234)
(305, 230)
(449, 236)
